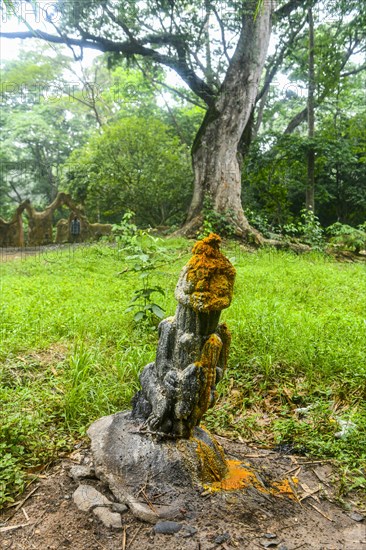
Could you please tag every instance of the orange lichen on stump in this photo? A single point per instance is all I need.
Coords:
(210, 276)
(208, 361)
(212, 461)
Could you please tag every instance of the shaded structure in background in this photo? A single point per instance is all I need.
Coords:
(40, 225)
(88, 231)
(12, 232)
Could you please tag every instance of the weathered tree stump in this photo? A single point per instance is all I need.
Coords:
(160, 444)
(179, 387)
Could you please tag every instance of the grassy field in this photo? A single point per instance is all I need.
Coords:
(69, 353)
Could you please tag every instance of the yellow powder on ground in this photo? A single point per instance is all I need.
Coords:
(240, 477)
(283, 488)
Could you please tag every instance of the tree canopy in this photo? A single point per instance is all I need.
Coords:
(254, 103)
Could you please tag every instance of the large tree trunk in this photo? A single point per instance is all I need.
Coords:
(215, 152)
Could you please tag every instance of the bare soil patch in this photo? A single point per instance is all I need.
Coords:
(310, 519)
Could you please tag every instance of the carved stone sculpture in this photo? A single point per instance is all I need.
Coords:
(179, 387)
(12, 232)
(88, 231)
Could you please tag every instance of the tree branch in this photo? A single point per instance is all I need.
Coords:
(356, 70)
(222, 30)
(18, 195)
(296, 121)
(82, 43)
(171, 89)
(271, 71)
(302, 115)
(286, 9)
(180, 65)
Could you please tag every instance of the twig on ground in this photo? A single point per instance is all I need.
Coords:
(25, 514)
(252, 456)
(100, 544)
(124, 538)
(148, 501)
(315, 461)
(36, 524)
(307, 495)
(320, 512)
(135, 535)
(321, 479)
(297, 469)
(222, 437)
(292, 485)
(20, 504)
(13, 527)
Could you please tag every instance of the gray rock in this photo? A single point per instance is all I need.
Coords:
(125, 459)
(86, 498)
(187, 531)
(78, 472)
(167, 527)
(120, 508)
(225, 537)
(110, 519)
(357, 517)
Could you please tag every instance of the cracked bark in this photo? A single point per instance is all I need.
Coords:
(215, 153)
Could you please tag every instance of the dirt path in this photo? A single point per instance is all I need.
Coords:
(10, 254)
(310, 519)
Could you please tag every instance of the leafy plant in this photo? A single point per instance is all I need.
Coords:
(347, 237)
(12, 479)
(215, 222)
(259, 221)
(144, 301)
(125, 230)
(308, 229)
(147, 255)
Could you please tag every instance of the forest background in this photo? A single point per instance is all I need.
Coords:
(117, 133)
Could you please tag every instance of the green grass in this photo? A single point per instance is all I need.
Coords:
(69, 353)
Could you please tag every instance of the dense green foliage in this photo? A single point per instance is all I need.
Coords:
(69, 352)
(52, 106)
(274, 178)
(41, 124)
(135, 161)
